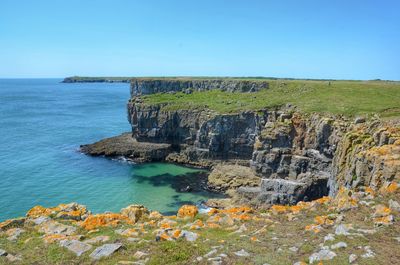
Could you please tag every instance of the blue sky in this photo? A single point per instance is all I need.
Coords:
(345, 39)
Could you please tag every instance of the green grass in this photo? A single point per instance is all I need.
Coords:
(350, 98)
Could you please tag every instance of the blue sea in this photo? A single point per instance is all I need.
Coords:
(42, 124)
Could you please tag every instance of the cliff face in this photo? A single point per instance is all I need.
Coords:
(297, 156)
(142, 86)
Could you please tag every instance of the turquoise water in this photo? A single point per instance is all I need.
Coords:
(42, 124)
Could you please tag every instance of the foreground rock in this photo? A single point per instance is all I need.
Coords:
(105, 251)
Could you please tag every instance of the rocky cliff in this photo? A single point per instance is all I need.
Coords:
(142, 86)
(297, 156)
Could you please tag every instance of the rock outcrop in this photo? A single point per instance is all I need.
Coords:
(142, 86)
(298, 156)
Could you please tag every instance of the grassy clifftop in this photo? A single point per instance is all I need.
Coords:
(338, 97)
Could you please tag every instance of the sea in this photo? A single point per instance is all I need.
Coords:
(42, 124)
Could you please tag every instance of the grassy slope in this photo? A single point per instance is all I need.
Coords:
(338, 97)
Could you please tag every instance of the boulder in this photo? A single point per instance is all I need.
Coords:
(187, 211)
(75, 246)
(135, 212)
(105, 250)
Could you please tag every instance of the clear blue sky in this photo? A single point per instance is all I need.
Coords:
(346, 39)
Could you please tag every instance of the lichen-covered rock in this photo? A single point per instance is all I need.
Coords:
(106, 219)
(12, 223)
(187, 211)
(135, 212)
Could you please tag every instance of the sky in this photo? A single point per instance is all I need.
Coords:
(341, 39)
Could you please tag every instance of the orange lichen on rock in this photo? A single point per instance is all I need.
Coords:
(276, 209)
(187, 211)
(313, 227)
(323, 200)
(323, 220)
(165, 236)
(213, 211)
(101, 220)
(38, 211)
(390, 188)
(176, 233)
(48, 239)
(381, 210)
(213, 225)
(344, 200)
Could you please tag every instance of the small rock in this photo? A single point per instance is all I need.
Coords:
(75, 246)
(339, 245)
(40, 220)
(14, 233)
(294, 249)
(52, 227)
(242, 253)
(3, 252)
(323, 254)
(352, 258)
(211, 253)
(97, 239)
(12, 258)
(140, 254)
(105, 250)
(398, 239)
(394, 205)
(189, 236)
(199, 259)
(329, 237)
(342, 229)
(368, 253)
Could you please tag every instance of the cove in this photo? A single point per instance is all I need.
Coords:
(42, 124)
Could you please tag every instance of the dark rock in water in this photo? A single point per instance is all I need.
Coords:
(126, 146)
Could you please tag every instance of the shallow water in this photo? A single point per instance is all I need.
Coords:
(42, 124)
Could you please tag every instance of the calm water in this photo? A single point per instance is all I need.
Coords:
(42, 124)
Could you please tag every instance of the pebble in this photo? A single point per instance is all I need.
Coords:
(329, 237)
(339, 245)
(323, 254)
(105, 250)
(242, 253)
(3, 252)
(394, 205)
(294, 249)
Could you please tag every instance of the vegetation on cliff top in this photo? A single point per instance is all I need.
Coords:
(350, 98)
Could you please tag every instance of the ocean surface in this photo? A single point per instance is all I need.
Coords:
(42, 124)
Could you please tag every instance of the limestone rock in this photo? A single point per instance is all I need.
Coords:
(105, 250)
(75, 246)
(52, 227)
(14, 233)
(97, 239)
(230, 177)
(135, 212)
(323, 254)
(242, 253)
(187, 211)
